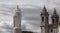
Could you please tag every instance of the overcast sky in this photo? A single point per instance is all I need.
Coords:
(30, 13)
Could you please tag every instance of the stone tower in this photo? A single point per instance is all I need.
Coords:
(53, 28)
(44, 20)
(55, 17)
(17, 21)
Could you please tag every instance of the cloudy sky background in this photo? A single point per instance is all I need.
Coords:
(30, 13)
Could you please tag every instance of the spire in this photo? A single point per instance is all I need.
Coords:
(55, 17)
(55, 11)
(44, 9)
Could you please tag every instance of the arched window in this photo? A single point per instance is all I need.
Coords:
(52, 20)
(57, 20)
(42, 18)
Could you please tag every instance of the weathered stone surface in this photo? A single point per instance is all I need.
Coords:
(17, 30)
(17, 21)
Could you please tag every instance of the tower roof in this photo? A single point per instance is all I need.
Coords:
(55, 13)
(18, 11)
(44, 9)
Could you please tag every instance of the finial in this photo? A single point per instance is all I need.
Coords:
(44, 9)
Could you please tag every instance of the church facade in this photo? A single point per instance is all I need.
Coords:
(54, 27)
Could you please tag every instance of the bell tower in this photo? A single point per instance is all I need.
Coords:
(44, 20)
(17, 21)
(55, 17)
(55, 20)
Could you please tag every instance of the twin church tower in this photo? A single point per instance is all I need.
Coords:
(45, 26)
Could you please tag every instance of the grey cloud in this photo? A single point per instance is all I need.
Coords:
(23, 27)
(6, 27)
(31, 18)
(35, 23)
(30, 15)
